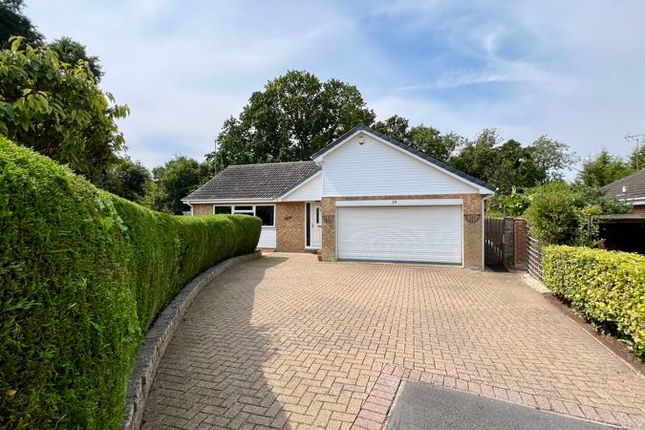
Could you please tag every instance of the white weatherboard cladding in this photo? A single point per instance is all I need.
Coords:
(428, 234)
(267, 237)
(378, 169)
(309, 190)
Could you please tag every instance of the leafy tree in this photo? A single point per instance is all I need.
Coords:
(173, 181)
(127, 179)
(560, 213)
(478, 157)
(552, 157)
(71, 52)
(603, 169)
(637, 158)
(395, 127)
(426, 139)
(294, 116)
(510, 164)
(14, 23)
(58, 109)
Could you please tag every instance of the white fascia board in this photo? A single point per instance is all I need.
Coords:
(482, 190)
(228, 201)
(400, 202)
(302, 184)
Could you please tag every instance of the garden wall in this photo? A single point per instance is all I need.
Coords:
(83, 274)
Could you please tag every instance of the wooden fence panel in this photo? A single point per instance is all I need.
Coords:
(535, 259)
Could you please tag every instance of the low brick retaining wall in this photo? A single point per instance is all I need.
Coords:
(158, 338)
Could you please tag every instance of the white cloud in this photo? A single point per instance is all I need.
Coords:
(569, 69)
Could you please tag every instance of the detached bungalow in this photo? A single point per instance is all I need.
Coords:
(363, 197)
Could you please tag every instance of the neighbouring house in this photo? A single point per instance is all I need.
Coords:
(630, 189)
(363, 197)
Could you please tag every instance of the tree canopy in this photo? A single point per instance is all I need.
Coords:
(71, 52)
(510, 164)
(127, 179)
(604, 169)
(293, 117)
(426, 139)
(14, 23)
(173, 181)
(58, 109)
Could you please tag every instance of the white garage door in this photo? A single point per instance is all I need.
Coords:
(430, 234)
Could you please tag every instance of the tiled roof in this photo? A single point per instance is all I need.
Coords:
(407, 148)
(628, 188)
(255, 181)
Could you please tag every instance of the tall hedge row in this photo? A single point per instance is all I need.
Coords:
(83, 274)
(608, 287)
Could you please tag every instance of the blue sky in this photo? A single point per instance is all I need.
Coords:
(574, 70)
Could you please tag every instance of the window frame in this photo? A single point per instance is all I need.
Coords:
(251, 212)
(223, 206)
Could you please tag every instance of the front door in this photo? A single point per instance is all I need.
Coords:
(315, 225)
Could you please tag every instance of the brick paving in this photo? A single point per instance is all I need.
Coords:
(288, 342)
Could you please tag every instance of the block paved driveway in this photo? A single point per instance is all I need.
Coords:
(288, 342)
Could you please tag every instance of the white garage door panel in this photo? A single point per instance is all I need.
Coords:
(420, 234)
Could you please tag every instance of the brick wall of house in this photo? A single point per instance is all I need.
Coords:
(290, 227)
(202, 209)
(472, 222)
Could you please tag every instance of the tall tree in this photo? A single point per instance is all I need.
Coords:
(127, 179)
(511, 165)
(603, 169)
(426, 139)
(637, 158)
(71, 52)
(174, 181)
(294, 116)
(58, 110)
(14, 23)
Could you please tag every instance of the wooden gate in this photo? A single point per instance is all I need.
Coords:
(535, 259)
(494, 241)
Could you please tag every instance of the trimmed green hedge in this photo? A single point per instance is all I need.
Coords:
(608, 287)
(83, 274)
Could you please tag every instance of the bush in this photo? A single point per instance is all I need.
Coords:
(608, 287)
(563, 214)
(83, 274)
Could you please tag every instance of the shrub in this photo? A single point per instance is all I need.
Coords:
(608, 287)
(83, 274)
(563, 214)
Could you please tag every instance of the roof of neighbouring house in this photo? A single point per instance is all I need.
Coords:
(255, 181)
(630, 187)
(408, 148)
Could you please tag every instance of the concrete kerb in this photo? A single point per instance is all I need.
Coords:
(158, 338)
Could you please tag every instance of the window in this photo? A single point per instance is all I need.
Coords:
(266, 214)
(317, 215)
(222, 210)
(248, 210)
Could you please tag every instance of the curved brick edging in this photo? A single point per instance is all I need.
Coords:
(158, 338)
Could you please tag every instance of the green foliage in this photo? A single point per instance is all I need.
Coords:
(607, 287)
(603, 169)
(563, 214)
(514, 204)
(14, 23)
(637, 158)
(83, 273)
(58, 109)
(72, 52)
(426, 139)
(293, 117)
(509, 164)
(127, 179)
(173, 181)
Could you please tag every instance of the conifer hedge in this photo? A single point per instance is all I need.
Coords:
(83, 274)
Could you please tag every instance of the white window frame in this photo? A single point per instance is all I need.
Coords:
(247, 211)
